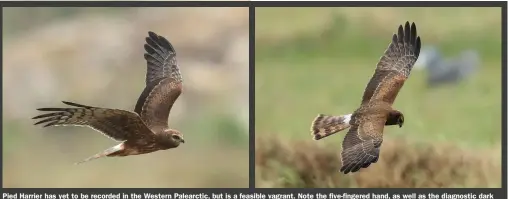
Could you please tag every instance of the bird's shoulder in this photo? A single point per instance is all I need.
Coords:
(374, 106)
(371, 111)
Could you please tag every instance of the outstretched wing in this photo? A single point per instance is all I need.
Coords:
(394, 66)
(163, 83)
(117, 124)
(361, 144)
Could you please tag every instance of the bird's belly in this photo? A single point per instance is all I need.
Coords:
(142, 150)
(166, 146)
(136, 149)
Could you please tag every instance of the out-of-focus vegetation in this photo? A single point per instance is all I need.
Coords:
(404, 163)
(94, 56)
(319, 60)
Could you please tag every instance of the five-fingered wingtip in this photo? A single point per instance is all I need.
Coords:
(407, 25)
(70, 103)
(152, 34)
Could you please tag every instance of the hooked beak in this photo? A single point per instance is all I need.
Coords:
(400, 125)
(183, 141)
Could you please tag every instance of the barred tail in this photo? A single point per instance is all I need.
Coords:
(326, 125)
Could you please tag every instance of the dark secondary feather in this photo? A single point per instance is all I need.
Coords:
(117, 124)
(163, 83)
(394, 66)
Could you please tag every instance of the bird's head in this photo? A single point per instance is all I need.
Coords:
(395, 118)
(175, 136)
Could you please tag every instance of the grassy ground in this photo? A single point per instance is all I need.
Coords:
(319, 60)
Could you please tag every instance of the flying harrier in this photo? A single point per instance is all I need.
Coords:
(362, 142)
(146, 129)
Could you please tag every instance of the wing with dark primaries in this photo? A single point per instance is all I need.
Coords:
(161, 59)
(163, 82)
(117, 124)
(361, 145)
(394, 66)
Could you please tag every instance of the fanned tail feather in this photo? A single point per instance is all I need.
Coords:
(326, 125)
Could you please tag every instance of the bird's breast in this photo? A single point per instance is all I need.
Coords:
(165, 143)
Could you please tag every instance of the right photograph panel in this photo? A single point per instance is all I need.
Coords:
(378, 97)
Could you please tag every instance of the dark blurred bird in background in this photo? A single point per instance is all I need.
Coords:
(441, 71)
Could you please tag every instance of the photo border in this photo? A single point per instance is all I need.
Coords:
(1, 95)
(252, 88)
(504, 88)
(147, 4)
(504, 138)
(252, 5)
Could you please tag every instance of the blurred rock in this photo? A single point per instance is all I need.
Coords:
(449, 71)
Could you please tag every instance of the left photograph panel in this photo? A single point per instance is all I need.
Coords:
(161, 96)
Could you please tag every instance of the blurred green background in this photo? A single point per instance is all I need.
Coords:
(319, 60)
(94, 56)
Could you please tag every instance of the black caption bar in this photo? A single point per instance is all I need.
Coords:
(253, 194)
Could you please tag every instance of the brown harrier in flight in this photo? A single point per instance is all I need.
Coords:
(146, 129)
(361, 144)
